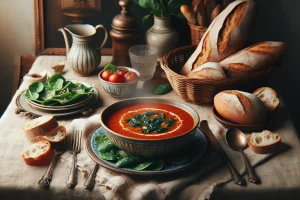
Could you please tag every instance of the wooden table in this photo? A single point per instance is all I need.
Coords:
(280, 175)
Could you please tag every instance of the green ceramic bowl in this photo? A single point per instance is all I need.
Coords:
(148, 147)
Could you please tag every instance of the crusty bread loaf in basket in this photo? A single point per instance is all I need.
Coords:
(203, 91)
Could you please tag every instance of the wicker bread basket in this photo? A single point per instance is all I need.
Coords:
(197, 33)
(203, 91)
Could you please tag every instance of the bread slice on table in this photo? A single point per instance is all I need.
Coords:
(40, 126)
(240, 107)
(39, 153)
(268, 96)
(254, 58)
(264, 142)
(208, 71)
(56, 135)
(226, 35)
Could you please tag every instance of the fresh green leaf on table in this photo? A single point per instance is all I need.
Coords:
(163, 89)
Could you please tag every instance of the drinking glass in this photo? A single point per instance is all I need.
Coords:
(143, 58)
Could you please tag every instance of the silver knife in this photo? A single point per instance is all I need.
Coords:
(236, 177)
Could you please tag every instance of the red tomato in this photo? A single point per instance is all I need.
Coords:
(122, 71)
(130, 76)
(116, 78)
(106, 74)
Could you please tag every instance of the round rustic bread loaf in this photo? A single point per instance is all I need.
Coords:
(208, 71)
(240, 107)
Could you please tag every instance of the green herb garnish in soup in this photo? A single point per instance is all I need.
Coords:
(58, 91)
(151, 122)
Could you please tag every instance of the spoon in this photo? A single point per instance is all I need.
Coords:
(237, 141)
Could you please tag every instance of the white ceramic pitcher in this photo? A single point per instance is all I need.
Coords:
(83, 57)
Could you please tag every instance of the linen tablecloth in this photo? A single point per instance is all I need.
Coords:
(280, 175)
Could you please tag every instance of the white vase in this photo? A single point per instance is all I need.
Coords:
(162, 35)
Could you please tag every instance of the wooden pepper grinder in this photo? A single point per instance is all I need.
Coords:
(124, 35)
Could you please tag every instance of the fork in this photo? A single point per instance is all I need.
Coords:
(75, 147)
(44, 182)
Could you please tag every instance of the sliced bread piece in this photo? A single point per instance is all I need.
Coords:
(268, 96)
(264, 142)
(40, 126)
(55, 135)
(39, 153)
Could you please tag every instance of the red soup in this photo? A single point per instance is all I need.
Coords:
(150, 121)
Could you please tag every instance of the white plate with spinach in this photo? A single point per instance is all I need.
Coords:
(57, 93)
(103, 152)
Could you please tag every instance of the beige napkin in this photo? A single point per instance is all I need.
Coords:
(119, 186)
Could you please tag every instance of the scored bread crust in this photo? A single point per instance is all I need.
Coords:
(30, 158)
(226, 35)
(254, 58)
(240, 107)
(40, 126)
(264, 149)
(208, 71)
(262, 93)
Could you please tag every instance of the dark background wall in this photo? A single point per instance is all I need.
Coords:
(279, 20)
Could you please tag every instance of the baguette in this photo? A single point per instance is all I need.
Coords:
(264, 142)
(56, 135)
(226, 35)
(40, 126)
(240, 107)
(217, 10)
(268, 96)
(208, 71)
(39, 153)
(254, 58)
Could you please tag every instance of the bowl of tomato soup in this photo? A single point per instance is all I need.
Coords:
(150, 127)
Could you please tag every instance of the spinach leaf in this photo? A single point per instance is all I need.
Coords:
(128, 162)
(50, 102)
(157, 166)
(109, 155)
(57, 85)
(163, 89)
(31, 95)
(142, 166)
(151, 122)
(54, 78)
(105, 145)
(100, 138)
(36, 87)
(122, 154)
(47, 94)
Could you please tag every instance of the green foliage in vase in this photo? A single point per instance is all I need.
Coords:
(161, 8)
